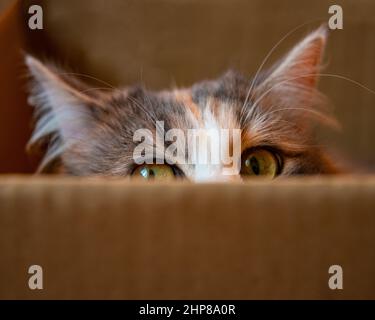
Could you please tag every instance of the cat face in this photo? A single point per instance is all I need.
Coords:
(89, 132)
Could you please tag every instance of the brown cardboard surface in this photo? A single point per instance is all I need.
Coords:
(105, 239)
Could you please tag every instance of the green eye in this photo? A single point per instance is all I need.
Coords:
(260, 162)
(157, 172)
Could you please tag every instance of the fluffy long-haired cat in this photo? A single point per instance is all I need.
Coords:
(90, 132)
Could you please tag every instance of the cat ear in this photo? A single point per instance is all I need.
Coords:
(301, 65)
(297, 72)
(291, 84)
(63, 111)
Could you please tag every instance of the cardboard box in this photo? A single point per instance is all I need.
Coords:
(118, 240)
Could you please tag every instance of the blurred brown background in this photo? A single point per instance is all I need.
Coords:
(169, 42)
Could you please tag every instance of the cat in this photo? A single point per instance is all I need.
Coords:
(90, 132)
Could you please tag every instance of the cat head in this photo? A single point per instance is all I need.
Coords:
(89, 132)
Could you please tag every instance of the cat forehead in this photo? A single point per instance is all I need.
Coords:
(180, 108)
(219, 101)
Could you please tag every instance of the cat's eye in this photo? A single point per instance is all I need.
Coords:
(260, 162)
(157, 172)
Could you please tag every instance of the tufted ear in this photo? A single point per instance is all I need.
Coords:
(301, 65)
(290, 86)
(63, 112)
